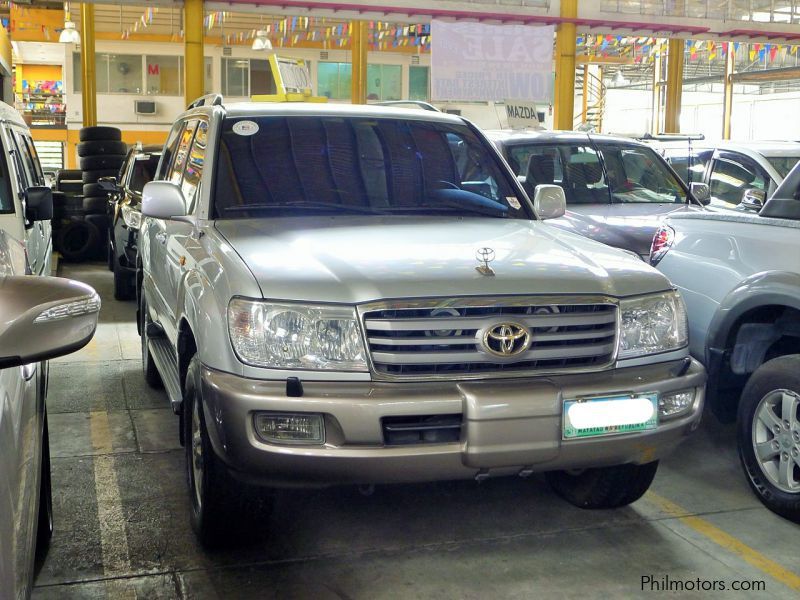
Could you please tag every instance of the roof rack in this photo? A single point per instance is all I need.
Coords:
(663, 137)
(207, 100)
(418, 103)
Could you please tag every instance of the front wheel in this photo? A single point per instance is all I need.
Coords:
(123, 283)
(603, 487)
(220, 505)
(768, 432)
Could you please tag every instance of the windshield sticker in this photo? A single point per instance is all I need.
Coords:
(245, 127)
(512, 200)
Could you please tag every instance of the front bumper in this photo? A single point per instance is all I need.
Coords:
(508, 426)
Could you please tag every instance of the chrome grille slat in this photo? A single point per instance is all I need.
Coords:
(435, 358)
(436, 338)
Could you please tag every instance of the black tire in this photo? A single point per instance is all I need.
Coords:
(124, 283)
(603, 487)
(93, 176)
(100, 133)
(59, 199)
(151, 374)
(222, 509)
(94, 148)
(773, 379)
(102, 161)
(44, 530)
(96, 205)
(71, 186)
(76, 240)
(93, 189)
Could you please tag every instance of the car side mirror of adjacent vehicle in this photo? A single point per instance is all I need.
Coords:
(108, 184)
(753, 199)
(38, 203)
(549, 201)
(44, 317)
(700, 192)
(163, 200)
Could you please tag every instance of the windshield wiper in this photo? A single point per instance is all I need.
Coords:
(326, 206)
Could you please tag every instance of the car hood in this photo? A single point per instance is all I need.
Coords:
(359, 259)
(628, 226)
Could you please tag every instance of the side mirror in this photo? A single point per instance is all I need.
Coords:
(44, 317)
(754, 199)
(38, 203)
(700, 192)
(549, 201)
(108, 184)
(523, 179)
(163, 200)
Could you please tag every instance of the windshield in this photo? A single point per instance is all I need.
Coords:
(311, 165)
(783, 164)
(617, 173)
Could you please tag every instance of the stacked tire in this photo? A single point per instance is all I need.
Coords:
(101, 153)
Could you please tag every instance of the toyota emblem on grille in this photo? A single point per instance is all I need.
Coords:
(485, 256)
(507, 339)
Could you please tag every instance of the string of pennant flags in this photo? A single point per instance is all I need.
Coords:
(645, 49)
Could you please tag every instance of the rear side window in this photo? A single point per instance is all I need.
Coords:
(194, 167)
(538, 164)
(143, 171)
(169, 151)
(690, 167)
(636, 174)
(175, 173)
(584, 181)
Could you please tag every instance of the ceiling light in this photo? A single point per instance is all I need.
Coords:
(69, 35)
(261, 41)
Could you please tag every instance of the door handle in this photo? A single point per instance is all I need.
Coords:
(161, 237)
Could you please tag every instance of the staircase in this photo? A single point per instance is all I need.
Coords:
(590, 99)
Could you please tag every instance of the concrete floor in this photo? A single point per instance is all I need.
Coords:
(122, 528)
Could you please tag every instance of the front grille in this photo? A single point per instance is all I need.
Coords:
(445, 337)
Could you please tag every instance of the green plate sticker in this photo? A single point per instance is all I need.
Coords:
(609, 415)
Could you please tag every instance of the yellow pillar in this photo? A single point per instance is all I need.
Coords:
(672, 110)
(88, 78)
(194, 67)
(564, 101)
(727, 107)
(358, 48)
(655, 103)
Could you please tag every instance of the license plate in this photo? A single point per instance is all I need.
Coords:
(609, 415)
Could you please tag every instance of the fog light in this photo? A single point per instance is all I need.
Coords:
(290, 428)
(673, 404)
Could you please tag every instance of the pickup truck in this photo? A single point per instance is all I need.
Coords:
(740, 277)
(360, 295)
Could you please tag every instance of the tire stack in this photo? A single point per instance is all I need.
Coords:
(101, 153)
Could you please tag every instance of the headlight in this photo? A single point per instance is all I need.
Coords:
(131, 216)
(652, 324)
(296, 336)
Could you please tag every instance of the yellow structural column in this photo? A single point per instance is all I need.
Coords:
(727, 107)
(358, 48)
(564, 101)
(88, 77)
(672, 110)
(194, 64)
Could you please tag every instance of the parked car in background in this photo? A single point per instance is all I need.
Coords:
(125, 215)
(26, 201)
(42, 318)
(739, 274)
(338, 294)
(731, 169)
(617, 189)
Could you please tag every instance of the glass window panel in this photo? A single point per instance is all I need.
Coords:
(345, 81)
(143, 171)
(77, 80)
(327, 79)
(235, 77)
(418, 83)
(261, 79)
(194, 167)
(730, 179)
(175, 174)
(164, 76)
(124, 74)
(384, 82)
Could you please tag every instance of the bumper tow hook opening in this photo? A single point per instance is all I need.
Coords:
(482, 475)
(366, 490)
(526, 472)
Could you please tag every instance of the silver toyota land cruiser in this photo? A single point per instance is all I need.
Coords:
(358, 295)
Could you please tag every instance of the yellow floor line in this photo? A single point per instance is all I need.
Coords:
(728, 542)
(110, 516)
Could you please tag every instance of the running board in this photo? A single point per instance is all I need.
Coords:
(167, 365)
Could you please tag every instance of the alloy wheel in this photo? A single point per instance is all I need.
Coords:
(197, 454)
(776, 439)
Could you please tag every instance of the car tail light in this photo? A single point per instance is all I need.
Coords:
(662, 242)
